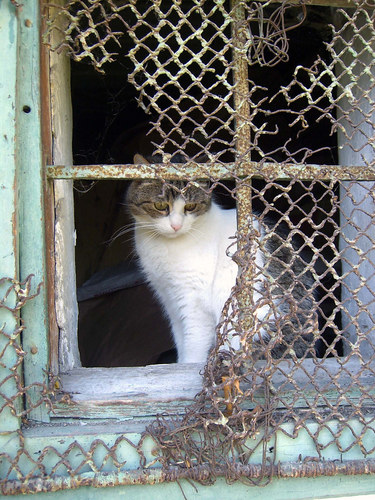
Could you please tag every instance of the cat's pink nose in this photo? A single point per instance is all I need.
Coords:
(176, 226)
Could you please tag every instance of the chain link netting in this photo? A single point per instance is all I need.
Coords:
(274, 103)
(14, 295)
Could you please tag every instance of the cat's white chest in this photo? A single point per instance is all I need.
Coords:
(186, 263)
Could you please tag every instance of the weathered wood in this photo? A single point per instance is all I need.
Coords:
(8, 216)
(65, 281)
(127, 392)
(31, 206)
(288, 461)
(49, 216)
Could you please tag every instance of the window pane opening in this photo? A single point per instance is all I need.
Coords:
(113, 122)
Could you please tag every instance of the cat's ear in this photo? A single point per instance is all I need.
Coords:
(140, 160)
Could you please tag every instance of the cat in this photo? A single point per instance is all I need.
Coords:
(182, 237)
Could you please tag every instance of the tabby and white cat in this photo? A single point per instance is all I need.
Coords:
(181, 237)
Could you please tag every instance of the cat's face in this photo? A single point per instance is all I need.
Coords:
(170, 209)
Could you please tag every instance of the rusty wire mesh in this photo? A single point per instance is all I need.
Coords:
(274, 104)
(14, 295)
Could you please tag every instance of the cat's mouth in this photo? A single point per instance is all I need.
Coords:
(170, 232)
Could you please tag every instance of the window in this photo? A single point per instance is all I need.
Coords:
(302, 154)
(274, 105)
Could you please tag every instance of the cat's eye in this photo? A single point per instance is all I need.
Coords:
(189, 207)
(162, 206)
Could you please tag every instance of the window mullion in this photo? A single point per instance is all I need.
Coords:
(245, 168)
(243, 141)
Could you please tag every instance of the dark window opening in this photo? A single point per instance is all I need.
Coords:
(120, 322)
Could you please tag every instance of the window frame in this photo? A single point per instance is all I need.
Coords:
(32, 191)
(127, 398)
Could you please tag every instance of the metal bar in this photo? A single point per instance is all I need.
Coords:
(243, 140)
(274, 171)
(306, 469)
(324, 3)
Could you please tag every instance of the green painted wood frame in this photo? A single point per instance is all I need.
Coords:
(8, 170)
(30, 186)
(21, 200)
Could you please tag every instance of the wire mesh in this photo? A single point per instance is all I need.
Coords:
(281, 97)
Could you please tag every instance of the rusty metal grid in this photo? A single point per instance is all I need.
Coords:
(14, 296)
(199, 69)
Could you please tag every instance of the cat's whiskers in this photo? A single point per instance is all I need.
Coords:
(144, 225)
(195, 233)
(150, 237)
(120, 232)
(129, 228)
